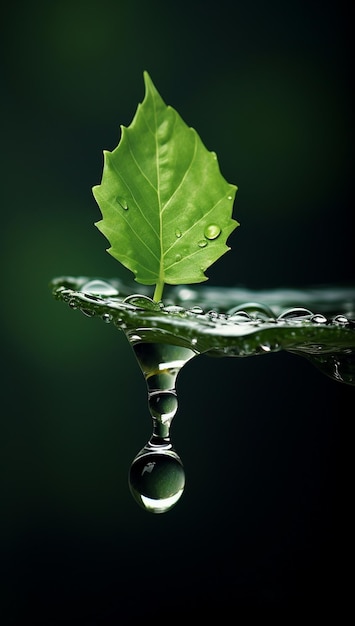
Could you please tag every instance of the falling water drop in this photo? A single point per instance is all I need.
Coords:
(156, 476)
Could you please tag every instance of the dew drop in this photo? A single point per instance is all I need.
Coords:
(99, 288)
(202, 243)
(122, 202)
(295, 313)
(230, 197)
(142, 302)
(266, 347)
(178, 257)
(318, 318)
(178, 233)
(341, 320)
(196, 310)
(212, 231)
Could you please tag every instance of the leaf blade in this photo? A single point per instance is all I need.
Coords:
(166, 208)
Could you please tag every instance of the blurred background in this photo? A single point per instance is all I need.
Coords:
(267, 85)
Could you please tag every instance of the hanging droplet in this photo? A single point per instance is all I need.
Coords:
(156, 476)
(157, 479)
(212, 231)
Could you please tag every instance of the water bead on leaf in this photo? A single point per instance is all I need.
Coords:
(122, 202)
(212, 231)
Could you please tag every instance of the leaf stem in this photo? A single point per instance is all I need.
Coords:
(158, 293)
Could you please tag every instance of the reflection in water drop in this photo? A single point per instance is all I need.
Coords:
(100, 288)
(212, 231)
(157, 478)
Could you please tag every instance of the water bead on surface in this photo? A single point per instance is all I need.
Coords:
(143, 302)
(341, 320)
(202, 243)
(255, 310)
(122, 203)
(99, 288)
(318, 318)
(295, 313)
(212, 231)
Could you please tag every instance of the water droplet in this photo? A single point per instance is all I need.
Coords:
(178, 233)
(212, 314)
(255, 310)
(142, 302)
(230, 197)
(157, 479)
(196, 310)
(99, 288)
(122, 202)
(341, 320)
(202, 243)
(266, 347)
(157, 476)
(107, 318)
(239, 317)
(295, 313)
(163, 405)
(174, 308)
(177, 257)
(212, 231)
(318, 318)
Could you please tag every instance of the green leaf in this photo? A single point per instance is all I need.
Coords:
(166, 208)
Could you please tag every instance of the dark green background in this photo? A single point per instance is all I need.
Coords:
(261, 524)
